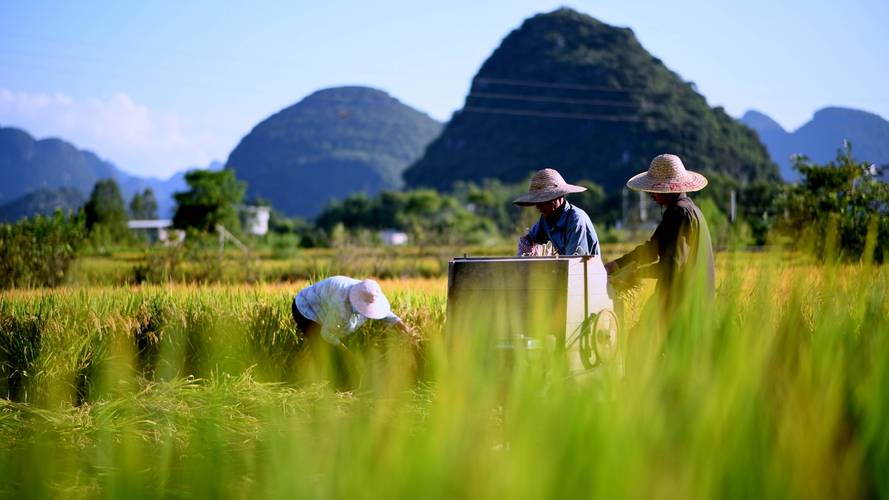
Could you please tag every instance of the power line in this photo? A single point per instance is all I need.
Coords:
(551, 114)
(539, 98)
(556, 85)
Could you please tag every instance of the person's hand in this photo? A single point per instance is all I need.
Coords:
(409, 332)
(611, 267)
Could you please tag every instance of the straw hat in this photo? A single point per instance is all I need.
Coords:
(546, 185)
(367, 298)
(667, 174)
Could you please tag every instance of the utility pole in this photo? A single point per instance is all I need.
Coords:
(733, 206)
(624, 206)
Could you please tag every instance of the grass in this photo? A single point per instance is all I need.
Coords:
(777, 391)
(129, 267)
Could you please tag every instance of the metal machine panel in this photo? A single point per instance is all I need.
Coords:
(528, 296)
(504, 298)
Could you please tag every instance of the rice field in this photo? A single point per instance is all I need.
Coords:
(776, 391)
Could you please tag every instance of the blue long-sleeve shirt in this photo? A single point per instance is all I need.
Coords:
(571, 234)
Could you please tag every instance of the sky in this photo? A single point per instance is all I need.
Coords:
(156, 87)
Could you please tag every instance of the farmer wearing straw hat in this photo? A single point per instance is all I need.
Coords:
(679, 252)
(335, 307)
(566, 226)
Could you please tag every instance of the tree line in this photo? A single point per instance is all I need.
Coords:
(840, 210)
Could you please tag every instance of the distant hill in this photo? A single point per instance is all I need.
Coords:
(41, 167)
(333, 143)
(27, 164)
(569, 92)
(822, 136)
(42, 201)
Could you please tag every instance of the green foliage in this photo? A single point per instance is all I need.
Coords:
(212, 199)
(20, 342)
(591, 200)
(723, 232)
(472, 213)
(38, 251)
(105, 209)
(305, 233)
(144, 205)
(492, 199)
(197, 259)
(840, 210)
(776, 390)
(754, 208)
(426, 215)
(757, 206)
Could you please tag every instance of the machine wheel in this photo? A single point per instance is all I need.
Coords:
(598, 339)
(605, 331)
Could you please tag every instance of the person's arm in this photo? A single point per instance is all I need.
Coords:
(392, 319)
(535, 236)
(649, 252)
(329, 334)
(331, 308)
(402, 327)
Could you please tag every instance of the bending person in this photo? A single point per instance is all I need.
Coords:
(566, 226)
(336, 307)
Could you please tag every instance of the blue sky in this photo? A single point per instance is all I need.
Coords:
(159, 86)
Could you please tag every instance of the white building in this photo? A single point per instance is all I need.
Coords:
(157, 230)
(255, 219)
(393, 237)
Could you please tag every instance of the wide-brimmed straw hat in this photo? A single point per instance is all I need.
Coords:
(667, 174)
(546, 185)
(367, 298)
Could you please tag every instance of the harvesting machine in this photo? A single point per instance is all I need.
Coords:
(556, 303)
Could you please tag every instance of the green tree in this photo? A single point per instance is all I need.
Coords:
(428, 216)
(212, 199)
(756, 204)
(38, 251)
(143, 205)
(592, 201)
(105, 211)
(838, 210)
(492, 199)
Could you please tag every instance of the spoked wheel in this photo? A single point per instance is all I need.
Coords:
(605, 331)
(598, 339)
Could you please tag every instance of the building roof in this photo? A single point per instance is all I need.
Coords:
(150, 224)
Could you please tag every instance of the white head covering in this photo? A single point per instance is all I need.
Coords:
(367, 298)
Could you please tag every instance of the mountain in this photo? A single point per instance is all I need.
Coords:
(42, 201)
(822, 136)
(27, 165)
(42, 167)
(572, 93)
(333, 143)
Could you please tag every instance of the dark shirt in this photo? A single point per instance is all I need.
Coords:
(679, 251)
(569, 228)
